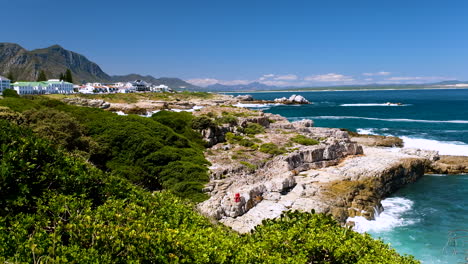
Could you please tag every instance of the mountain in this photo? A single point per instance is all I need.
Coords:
(255, 86)
(26, 65)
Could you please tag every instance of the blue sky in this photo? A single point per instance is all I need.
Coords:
(298, 43)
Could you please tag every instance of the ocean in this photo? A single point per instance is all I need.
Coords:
(427, 219)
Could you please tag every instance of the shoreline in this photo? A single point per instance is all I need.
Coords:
(348, 90)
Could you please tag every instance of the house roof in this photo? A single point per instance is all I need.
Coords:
(3, 78)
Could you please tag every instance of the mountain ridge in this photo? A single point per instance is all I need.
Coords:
(26, 65)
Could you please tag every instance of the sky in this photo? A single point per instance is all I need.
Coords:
(284, 43)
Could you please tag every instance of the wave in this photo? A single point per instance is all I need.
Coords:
(392, 119)
(443, 147)
(376, 104)
(391, 217)
(255, 105)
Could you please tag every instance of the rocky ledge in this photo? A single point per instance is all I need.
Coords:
(337, 176)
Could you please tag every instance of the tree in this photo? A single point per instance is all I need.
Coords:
(11, 77)
(62, 77)
(68, 76)
(42, 77)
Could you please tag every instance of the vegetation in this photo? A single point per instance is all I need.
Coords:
(272, 149)
(57, 208)
(9, 93)
(238, 139)
(253, 129)
(303, 140)
(11, 76)
(42, 76)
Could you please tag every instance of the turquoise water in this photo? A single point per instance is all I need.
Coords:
(422, 218)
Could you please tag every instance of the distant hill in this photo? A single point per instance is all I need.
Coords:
(255, 86)
(26, 65)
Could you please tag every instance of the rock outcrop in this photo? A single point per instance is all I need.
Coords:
(274, 179)
(96, 103)
(377, 141)
(293, 99)
(449, 165)
(354, 187)
(244, 98)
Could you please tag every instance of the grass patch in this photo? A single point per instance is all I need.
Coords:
(271, 148)
(303, 140)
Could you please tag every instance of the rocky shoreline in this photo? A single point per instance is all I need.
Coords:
(341, 173)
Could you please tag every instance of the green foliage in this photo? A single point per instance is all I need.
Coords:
(11, 77)
(272, 149)
(240, 140)
(10, 115)
(226, 119)
(248, 165)
(68, 76)
(29, 167)
(42, 77)
(202, 122)
(57, 208)
(61, 129)
(303, 140)
(253, 129)
(9, 93)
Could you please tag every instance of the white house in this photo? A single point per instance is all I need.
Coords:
(49, 87)
(161, 88)
(4, 84)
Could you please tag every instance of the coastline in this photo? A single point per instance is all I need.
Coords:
(347, 90)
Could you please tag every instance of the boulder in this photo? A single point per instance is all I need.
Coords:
(293, 99)
(245, 98)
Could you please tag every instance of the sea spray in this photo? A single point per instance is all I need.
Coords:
(390, 217)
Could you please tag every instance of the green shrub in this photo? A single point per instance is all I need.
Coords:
(271, 148)
(202, 122)
(253, 129)
(10, 93)
(226, 119)
(303, 140)
(248, 165)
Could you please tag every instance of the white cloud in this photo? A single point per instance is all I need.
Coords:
(278, 83)
(266, 76)
(381, 73)
(330, 77)
(416, 78)
(235, 82)
(368, 79)
(287, 77)
(203, 82)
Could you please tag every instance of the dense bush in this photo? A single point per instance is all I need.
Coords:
(303, 140)
(147, 151)
(253, 129)
(9, 93)
(272, 149)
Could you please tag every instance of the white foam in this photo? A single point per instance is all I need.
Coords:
(375, 104)
(444, 147)
(393, 119)
(121, 113)
(366, 131)
(390, 218)
(255, 105)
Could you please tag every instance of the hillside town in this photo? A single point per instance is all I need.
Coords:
(56, 86)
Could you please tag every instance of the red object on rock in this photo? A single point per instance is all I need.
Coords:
(237, 197)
